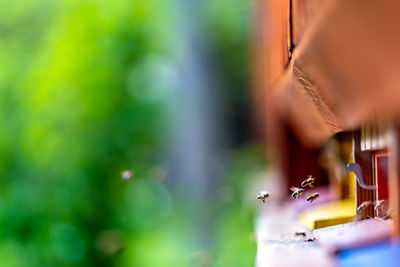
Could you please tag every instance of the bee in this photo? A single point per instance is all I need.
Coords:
(308, 182)
(296, 192)
(126, 175)
(312, 197)
(300, 233)
(363, 205)
(263, 196)
(379, 204)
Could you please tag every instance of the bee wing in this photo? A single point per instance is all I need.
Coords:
(293, 188)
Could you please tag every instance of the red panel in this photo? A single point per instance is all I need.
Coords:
(381, 175)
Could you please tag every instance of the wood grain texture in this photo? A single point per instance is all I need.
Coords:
(304, 12)
(348, 53)
(269, 57)
(303, 107)
(343, 70)
(394, 180)
(270, 51)
(365, 160)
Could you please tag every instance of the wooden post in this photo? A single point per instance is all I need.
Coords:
(394, 180)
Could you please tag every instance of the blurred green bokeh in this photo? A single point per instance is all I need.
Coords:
(82, 98)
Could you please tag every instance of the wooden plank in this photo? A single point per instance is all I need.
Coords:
(269, 57)
(328, 214)
(365, 160)
(343, 68)
(394, 180)
(345, 140)
(277, 244)
(348, 53)
(354, 234)
(270, 51)
(306, 115)
(304, 13)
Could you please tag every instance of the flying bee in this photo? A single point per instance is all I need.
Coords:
(126, 175)
(379, 204)
(312, 197)
(296, 192)
(263, 196)
(308, 182)
(363, 206)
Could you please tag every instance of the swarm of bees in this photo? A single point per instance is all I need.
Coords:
(296, 191)
(378, 206)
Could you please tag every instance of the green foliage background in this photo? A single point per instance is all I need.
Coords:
(82, 98)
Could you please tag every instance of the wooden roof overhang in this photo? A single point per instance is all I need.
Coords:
(344, 70)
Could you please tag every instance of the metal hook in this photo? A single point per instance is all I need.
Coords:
(354, 167)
